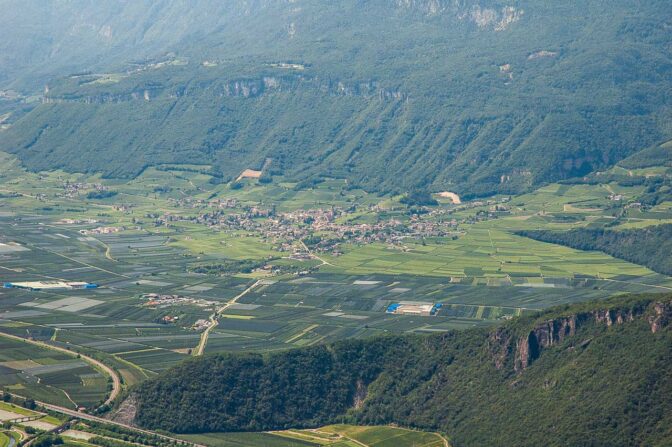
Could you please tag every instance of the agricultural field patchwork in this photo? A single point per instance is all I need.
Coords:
(485, 253)
(45, 375)
(330, 436)
(275, 266)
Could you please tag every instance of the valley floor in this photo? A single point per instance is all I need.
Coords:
(185, 267)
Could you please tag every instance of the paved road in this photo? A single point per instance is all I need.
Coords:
(214, 318)
(89, 417)
(116, 381)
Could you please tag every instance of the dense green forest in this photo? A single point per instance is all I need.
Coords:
(475, 97)
(659, 155)
(594, 374)
(650, 246)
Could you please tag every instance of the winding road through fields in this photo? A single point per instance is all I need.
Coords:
(89, 417)
(116, 381)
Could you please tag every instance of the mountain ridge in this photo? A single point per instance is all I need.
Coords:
(453, 99)
(541, 369)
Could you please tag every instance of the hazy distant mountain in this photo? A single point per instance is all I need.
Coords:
(479, 96)
(43, 38)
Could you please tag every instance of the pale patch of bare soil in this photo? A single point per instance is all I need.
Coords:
(450, 195)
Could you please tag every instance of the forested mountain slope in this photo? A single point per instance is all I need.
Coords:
(650, 246)
(476, 96)
(595, 374)
(42, 39)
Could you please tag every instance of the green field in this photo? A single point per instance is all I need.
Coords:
(45, 375)
(483, 252)
(12, 408)
(330, 436)
(248, 439)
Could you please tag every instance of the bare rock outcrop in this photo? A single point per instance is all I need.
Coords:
(360, 395)
(125, 413)
(239, 88)
(499, 345)
(544, 335)
(528, 347)
(662, 316)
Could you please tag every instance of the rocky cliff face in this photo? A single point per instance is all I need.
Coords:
(236, 88)
(544, 335)
(524, 349)
(497, 18)
(661, 317)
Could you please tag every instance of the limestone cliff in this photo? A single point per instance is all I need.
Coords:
(524, 347)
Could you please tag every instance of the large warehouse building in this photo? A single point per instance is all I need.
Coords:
(414, 308)
(49, 285)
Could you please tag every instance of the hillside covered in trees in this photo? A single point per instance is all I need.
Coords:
(650, 246)
(595, 374)
(474, 96)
